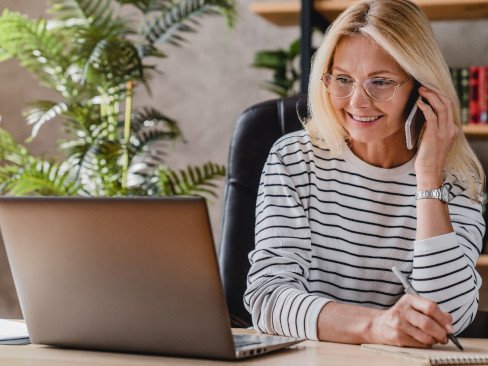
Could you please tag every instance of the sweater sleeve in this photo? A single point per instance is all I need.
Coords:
(277, 287)
(444, 267)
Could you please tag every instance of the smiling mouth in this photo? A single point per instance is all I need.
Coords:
(364, 120)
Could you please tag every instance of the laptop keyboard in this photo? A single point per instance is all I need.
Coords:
(242, 340)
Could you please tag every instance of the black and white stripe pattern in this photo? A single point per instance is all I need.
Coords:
(331, 228)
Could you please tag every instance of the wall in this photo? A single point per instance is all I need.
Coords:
(206, 85)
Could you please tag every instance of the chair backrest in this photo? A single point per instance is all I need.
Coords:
(478, 328)
(256, 130)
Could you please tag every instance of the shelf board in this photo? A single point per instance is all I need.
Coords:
(482, 261)
(287, 12)
(476, 131)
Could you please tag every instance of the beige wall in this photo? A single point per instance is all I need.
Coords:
(205, 86)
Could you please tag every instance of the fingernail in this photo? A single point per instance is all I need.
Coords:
(449, 328)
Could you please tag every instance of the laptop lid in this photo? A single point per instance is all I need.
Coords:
(122, 274)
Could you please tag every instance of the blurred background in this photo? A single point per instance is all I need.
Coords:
(205, 86)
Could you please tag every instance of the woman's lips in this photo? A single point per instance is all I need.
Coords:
(351, 119)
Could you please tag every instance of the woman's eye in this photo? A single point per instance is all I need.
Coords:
(382, 82)
(343, 80)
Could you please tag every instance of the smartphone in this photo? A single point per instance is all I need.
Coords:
(410, 128)
(414, 121)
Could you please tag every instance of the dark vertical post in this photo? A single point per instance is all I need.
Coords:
(305, 43)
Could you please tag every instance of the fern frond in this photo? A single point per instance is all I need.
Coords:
(44, 178)
(41, 51)
(146, 6)
(111, 62)
(150, 125)
(164, 27)
(192, 181)
(41, 112)
(10, 150)
(275, 59)
(97, 12)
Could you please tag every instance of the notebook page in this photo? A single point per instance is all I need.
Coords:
(475, 353)
(12, 330)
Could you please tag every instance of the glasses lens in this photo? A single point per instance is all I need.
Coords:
(380, 89)
(340, 86)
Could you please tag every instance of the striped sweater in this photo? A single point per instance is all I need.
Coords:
(330, 229)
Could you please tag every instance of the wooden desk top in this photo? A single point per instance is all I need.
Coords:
(306, 353)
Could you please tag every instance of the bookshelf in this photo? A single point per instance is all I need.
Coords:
(482, 261)
(287, 12)
(476, 131)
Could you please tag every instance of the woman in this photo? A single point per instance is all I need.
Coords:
(337, 205)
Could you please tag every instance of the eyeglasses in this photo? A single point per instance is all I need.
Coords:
(379, 89)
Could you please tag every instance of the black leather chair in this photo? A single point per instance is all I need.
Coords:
(255, 132)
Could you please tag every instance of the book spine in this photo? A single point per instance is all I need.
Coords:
(464, 92)
(474, 95)
(483, 94)
(455, 76)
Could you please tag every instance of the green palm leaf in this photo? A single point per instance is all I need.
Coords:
(10, 150)
(192, 181)
(149, 126)
(38, 177)
(97, 12)
(146, 6)
(41, 112)
(41, 51)
(165, 27)
(112, 62)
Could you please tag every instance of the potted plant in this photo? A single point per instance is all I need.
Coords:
(95, 59)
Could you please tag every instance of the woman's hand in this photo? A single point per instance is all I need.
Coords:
(439, 135)
(413, 322)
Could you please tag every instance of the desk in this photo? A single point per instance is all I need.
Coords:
(307, 353)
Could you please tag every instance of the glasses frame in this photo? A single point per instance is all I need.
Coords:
(356, 83)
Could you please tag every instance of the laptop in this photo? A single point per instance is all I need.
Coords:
(122, 274)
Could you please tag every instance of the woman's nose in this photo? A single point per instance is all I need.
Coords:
(359, 97)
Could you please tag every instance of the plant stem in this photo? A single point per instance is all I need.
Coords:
(128, 111)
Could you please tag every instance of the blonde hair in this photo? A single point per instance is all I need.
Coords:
(404, 32)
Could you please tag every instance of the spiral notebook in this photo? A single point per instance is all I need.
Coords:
(475, 352)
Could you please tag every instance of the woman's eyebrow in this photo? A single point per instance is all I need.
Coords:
(370, 74)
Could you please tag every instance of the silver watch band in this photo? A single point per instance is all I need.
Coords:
(441, 194)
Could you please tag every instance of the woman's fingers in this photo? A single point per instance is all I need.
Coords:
(443, 108)
(436, 104)
(430, 116)
(420, 336)
(431, 310)
(425, 328)
(414, 319)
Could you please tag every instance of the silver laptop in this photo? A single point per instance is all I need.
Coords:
(122, 274)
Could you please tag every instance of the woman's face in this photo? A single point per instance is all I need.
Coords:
(367, 120)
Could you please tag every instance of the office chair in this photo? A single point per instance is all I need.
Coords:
(256, 130)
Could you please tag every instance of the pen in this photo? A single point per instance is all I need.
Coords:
(410, 290)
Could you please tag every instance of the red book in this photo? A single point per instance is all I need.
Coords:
(483, 94)
(474, 115)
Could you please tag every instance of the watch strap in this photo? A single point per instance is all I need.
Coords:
(441, 193)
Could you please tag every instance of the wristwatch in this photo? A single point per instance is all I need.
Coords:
(441, 194)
